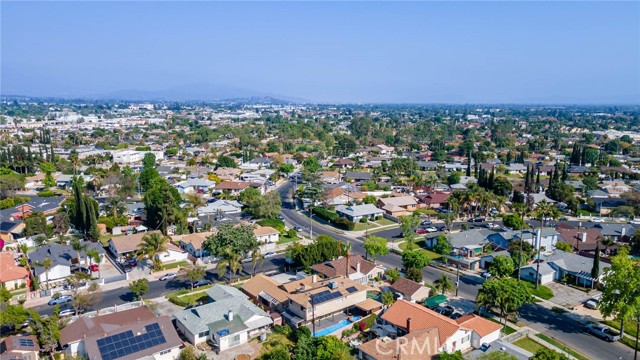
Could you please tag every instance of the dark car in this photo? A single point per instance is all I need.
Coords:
(476, 219)
(202, 282)
(446, 310)
(455, 316)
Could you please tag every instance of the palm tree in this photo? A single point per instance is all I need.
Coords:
(606, 242)
(444, 284)
(152, 244)
(46, 264)
(195, 201)
(543, 210)
(521, 209)
(229, 259)
(256, 257)
(345, 249)
(78, 246)
(116, 205)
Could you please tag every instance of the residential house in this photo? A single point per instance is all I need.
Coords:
(192, 186)
(581, 239)
(563, 264)
(342, 195)
(616, 231)
(468, 246)
(548, 238)
(387, 348)
(312, 298)
(266, 236)
(330, 177)
(358, 177)
(615, 188)
(20, 347)
(453, 335)
(64, 181)
(173, 254)
(220, 207)
(12, 276)
(605, 206)
(45, 205)
(516, 169)
(485, 260)
(128, 244)
(359, 269)
(227, 174)
(129, 334)
(356, 212)
(231, 187)
(257, 163)
(434, 200)
(344, 163)
(410, 290)
(193, 243)
(63, 258)
(267, 292)
(230, 320)
(398, 205)
(427, 165)
(10, 231)
(384, 149)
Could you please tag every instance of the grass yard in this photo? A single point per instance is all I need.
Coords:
(385, 222)
(629, 326)
(542, 291)
(420, 247)
(529, 345)
(191, 299)
(174, 265)
(284, 239)
(362, 227)
(562, 347)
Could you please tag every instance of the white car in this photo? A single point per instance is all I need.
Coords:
(61, 300)
(634, 222)
(269, 255)
(486, 274)
(66, 312)
(597, 220)
(168, 276)
(430, 229)
(247, 260)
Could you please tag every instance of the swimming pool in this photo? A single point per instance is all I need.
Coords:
(335, 327)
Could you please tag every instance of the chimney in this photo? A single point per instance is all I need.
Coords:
(408, 325)
(358, 265)
(230, 315)
(624, 231)
(314, 278)
(584, 236)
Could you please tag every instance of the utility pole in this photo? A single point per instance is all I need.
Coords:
(311, 221)
(538, 240)
(313, 315)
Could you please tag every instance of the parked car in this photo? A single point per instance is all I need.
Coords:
(592, 303)
(603, 332)
(62, 299)
(421, 231)
(425, 222)
(269, 255)
(247, 260)
(94, 267)
(68, 312)
(280, 217)
(476, 219)
(80, 269)
(597, 220)
(430, 229)
(455, 315)
(168, 276)
(202, 282)
(297, 228)
(634, 222)
(446, 310)
(486, 274)
(127, 268)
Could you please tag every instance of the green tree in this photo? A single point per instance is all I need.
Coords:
(286, 168)
(392, 275)
(78, 246)
(513, 221)
(376, 246)
(240, 238)
(414, 274)
(36, 224)
(46, 265)
(388, 298)
(226, 162)
(139, 287)
(409, 224)
(192, 274)
(5, 295)
(229, 260)
(453, 178)
(162, 205)
(449, 356)
(566, 247)
(311, 164)
(621, 294)
(47, 331)
(147, 177)
(444, 284)
(149, 161)
(514, 250)
(12, 315)
(506, 295)
(442, 245)
(501, 266)
(151, 245)
(548, 354)
(415, 259)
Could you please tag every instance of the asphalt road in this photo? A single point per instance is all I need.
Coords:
(535, 316)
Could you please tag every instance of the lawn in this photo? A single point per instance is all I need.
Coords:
(191, 299)
(629, 326)
(542, 291)
(562, 347)
(420, 244)
(174, 265)
(285, 239)
(362, 227)
(529, 345)
(385, 222)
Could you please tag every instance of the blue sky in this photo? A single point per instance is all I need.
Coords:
(423, 52)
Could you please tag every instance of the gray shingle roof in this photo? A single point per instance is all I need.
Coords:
(59, 254)
(573, 262)
(359, 210)
(469, 237)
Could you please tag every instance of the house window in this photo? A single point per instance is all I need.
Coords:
(235, 340)
(163, 352)
(204, 333)
(466, 339)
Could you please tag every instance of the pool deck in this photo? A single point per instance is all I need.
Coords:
(330, 321)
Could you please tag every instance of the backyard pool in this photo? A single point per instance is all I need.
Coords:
(334, 327)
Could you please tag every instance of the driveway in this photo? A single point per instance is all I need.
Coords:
(567, 296)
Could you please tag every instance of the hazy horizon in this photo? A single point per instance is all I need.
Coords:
(325, 52)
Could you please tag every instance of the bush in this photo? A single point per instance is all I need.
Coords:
(367, 322)
(46, 193)
(379, 217)
(364, 220)
(325, 214)
(345, 224)
(274, 223)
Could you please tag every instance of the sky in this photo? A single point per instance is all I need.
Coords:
(339, 52)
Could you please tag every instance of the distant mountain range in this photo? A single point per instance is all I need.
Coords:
(192, 92)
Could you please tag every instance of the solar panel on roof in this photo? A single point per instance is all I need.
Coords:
(26, 342)
(125, 343)
(352, 289)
